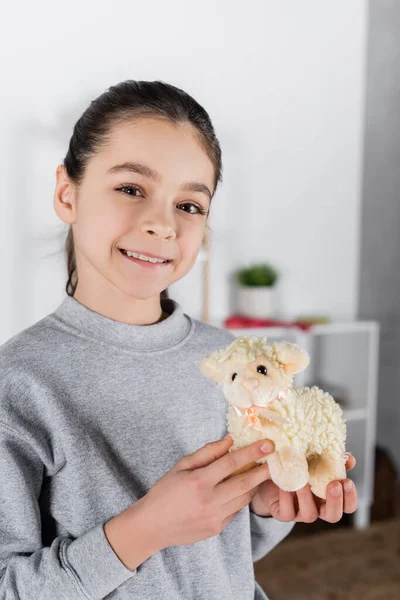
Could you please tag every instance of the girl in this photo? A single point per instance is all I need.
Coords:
(111, 457)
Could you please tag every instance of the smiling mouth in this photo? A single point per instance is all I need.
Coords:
(144, 262)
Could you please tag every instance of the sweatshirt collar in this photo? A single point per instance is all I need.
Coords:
(140, 338)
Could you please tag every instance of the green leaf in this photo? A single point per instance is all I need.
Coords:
(260, 274)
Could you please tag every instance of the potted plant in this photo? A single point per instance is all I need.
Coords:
(255, 289)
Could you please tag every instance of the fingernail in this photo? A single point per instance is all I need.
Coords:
(267, 447)
(348, 486)
(336, 490)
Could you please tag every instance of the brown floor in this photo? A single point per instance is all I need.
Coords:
(340, 565)
(325, 561)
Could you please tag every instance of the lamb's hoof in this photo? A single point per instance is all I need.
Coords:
(319, 490)
(292, 480)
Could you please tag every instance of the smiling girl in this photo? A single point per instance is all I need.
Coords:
(114, 476)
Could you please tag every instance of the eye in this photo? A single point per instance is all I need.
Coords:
(199, 210)
(126, 189)
(123, 189)
(233, 376)
(262, 369)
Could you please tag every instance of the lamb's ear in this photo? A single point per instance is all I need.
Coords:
(211, 368)
(294, 358)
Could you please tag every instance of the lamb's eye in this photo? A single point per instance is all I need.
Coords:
(233, 376)
(262, 369)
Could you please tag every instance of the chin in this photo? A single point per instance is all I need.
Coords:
(141, 292)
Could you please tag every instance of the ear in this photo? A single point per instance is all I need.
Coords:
(294, 358)
(211, 368)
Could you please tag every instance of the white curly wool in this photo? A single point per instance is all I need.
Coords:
(315, 423)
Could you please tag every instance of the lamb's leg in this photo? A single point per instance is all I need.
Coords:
(288, 468)
(324, 468)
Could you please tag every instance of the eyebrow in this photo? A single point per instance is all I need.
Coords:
(190, 186)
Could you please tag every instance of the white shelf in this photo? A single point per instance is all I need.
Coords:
(259, 331)
(355, 414)
(350, 327)
(325, 329)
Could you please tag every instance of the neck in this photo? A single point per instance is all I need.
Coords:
(124, 308)
(173, 329)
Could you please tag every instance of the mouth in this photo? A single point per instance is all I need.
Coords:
(146, 254)
(147, 260)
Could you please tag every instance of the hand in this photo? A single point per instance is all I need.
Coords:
(303, 506)
(202, 493)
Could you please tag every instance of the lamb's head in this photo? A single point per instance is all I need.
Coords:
(253, 371)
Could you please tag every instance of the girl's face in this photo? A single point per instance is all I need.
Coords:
(147, 190)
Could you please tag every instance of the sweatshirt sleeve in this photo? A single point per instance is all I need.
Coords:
(85, 567)
(266, 533)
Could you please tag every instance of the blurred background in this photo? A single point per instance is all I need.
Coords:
(305, 98)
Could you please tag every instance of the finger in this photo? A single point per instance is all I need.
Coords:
(206, 454)
(281, 504)
(308, 512)
(350, 501)
(233, 461)
(254, 491)
(236, 499)
(243, 483)
(286, 509)
(351, 462)
(332, 510)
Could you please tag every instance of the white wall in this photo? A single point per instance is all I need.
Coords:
(380, 253)
(283, 82)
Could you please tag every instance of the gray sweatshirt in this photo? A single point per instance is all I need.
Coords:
(92, 413)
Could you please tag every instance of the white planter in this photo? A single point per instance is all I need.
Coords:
(255, 302)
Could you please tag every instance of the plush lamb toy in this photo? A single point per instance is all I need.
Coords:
(305, 424)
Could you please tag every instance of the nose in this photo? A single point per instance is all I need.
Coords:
(160, 226)
(250, 383)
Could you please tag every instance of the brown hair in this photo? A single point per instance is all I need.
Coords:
(125, 101)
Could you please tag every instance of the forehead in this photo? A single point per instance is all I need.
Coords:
(260, 359)
(173, 150)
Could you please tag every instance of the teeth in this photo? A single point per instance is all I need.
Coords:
(146, 258)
